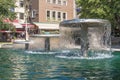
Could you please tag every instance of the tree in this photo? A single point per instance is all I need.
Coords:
(6, 11)
(104, 9)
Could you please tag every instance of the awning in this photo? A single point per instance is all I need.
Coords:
(10, 21)
(28, 25)
(47, 26)
(15, 22)
(7, 20)
(18, 31)
(17, 25)
(5, 31)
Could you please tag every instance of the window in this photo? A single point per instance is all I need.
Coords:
(59, 1)
(12, 9)
(48, 1)
(54, 1)
(34, 12)
(48, 15)
(64, 16)
(21, 4)
(64, 2)
(59, 16)
(21, 15)
(53, 15)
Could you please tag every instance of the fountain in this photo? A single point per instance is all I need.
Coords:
(86, 41)
(47, 38)
(84, 37)
(80, 38)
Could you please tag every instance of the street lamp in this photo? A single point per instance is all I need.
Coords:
(26, 6)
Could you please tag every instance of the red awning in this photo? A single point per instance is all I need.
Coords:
(17, 25)
(15, 21)
(19, 31)
(5, 31)
(11, 21)
(7, 20)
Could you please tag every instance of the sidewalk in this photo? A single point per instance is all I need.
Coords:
(6, 44)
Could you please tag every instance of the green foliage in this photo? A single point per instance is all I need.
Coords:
(5, 12)
(5, 9)
(104, 9)
(6, 26)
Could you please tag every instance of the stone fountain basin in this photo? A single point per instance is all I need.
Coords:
(20, 41)
(46, 35)
(73, 21)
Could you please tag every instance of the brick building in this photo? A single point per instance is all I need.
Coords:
(47, 14)
(52, 10)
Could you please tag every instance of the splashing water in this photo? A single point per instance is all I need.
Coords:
(83, 37)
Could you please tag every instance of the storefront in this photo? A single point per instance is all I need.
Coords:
(19, 31)
(47, 28)
(31, 28)
(5, 36)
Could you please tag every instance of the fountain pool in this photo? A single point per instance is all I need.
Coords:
(84, 54)
(21, 65)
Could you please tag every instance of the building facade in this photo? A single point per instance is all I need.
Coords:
(46, 14)
(20, 11)
(52, 10)
(46, 10)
